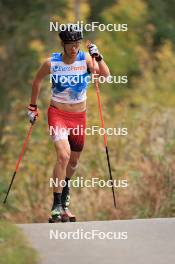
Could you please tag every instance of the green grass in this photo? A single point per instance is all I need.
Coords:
(14, 248)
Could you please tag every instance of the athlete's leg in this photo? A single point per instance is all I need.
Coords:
(73, 163)
(76, 142)
(62, 147)
(65, 198)
(63, 155)
(71, 168)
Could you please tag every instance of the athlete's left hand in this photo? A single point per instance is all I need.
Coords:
(93, 50)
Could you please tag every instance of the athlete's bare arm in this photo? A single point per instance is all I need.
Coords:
(101, 68)
(42, 72)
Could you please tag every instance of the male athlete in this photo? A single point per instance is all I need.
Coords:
(67, 109)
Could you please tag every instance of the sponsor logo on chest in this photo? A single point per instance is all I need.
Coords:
(57, 68)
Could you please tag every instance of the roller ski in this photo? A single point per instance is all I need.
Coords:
(65, 205)
(58, 215)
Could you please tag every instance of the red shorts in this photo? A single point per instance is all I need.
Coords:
(67, 125)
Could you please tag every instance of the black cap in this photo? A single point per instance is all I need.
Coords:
(71, 33)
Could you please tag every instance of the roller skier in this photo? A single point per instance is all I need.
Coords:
(67, 109)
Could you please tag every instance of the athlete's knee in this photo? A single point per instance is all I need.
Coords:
(73, 164)
(63, 158)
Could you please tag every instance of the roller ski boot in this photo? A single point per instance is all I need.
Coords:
(58, 215)
(65, 206)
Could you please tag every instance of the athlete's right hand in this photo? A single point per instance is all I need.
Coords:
(32, 113)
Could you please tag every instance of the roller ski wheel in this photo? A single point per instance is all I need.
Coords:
(72, 218)
(56, 220)
(58, 215)
(65, 205)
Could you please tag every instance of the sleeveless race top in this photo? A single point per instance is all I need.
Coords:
(69, 81)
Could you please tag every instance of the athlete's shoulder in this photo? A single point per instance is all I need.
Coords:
(56, 56)
(46, 63)
(44, 69)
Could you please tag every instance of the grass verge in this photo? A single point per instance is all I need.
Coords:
(14, 249)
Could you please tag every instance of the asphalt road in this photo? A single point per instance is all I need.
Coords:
(146, 241)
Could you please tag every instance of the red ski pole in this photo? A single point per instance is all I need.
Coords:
(19, 159)
(103, 126)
